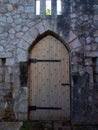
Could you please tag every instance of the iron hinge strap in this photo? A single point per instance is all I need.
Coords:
(42, 60)
(34, 108)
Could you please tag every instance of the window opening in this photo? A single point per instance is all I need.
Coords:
(95, 61)
(59, 7)
(48, 7)
(3, 60)
(37, 7)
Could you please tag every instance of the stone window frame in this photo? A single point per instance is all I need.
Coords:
(41, 8)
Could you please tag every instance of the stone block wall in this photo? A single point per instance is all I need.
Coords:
(19, 28)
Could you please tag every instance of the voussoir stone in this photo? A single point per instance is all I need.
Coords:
(71, 36)
(27, 37)
(40, 28)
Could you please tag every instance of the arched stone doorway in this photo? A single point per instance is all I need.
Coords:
(49, 80)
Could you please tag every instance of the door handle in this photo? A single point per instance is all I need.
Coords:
(64, 84)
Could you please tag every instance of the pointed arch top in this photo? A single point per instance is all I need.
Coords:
(53, 34)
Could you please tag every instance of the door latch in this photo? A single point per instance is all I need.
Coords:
(64, 84)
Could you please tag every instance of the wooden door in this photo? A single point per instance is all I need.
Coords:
(49, 81)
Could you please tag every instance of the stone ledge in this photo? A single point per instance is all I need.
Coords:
(91, 54)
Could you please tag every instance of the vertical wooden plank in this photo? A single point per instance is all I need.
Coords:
(32, 82)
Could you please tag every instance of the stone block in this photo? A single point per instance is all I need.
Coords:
(24, 29)
(89, 69)
(47, 25)
(19, 34)
(21, 9)
(22, 55)
(1, 29)
(40, 28)
(13, 2)
(96, 33)
(22, 116)
(1, 48)
(11, 36)
(0, 63)
(2, 94)
(1, 115)
(18, 21)
(2, 23)
(23, 45)
(8, 69)
(88, 47)
(1, 70)
(16, 16)
(8, 85)
(29, 9)
(61, 126)
(88, 61)
(8, 54)
(5, 55)
(96, 17)
(21, 101)
(96, 24)
(75, 44)
(7, 78)
(10, 61)
(9, 7)
(1, 80)
(9, 20)
(86, 127)
(10, 125)
(10, 47)
(91, 54)
(73, 15)
(16, 81)
(88, 40)
(4, 35)
(96, 7)
(16, 69)
(12, 30)
(18, 28)
(28, 38)
(96, 11)
(2, 19)
(21, 106)
(96, 39)
(70, 37)
(34, 33)
(3, 42)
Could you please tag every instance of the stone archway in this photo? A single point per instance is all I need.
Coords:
(43, 27)
(23, 46)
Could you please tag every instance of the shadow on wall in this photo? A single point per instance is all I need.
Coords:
(63, 21)
(85, 6)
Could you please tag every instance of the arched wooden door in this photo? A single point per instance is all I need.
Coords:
(49, 81)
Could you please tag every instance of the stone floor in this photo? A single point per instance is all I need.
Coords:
(10, 125)
(43, 126)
